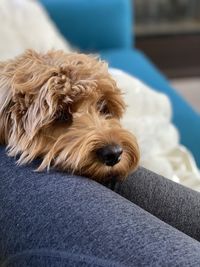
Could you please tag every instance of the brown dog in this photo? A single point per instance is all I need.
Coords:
(65, 109)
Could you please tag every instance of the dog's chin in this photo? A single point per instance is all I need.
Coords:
(100, 172)
(109, 174)
(102, 175)
(106, 175)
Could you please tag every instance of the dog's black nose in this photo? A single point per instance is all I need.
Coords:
(110, 154)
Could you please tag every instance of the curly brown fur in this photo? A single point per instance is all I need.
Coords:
(62, 108)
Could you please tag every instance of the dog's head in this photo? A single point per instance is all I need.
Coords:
(66, 109)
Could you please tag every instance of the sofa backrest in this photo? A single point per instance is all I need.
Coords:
(93, 25)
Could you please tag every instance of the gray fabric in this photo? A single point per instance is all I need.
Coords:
(173, 203)
(54, 220)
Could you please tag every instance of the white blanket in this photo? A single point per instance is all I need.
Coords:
(25, 24)
(148, 116)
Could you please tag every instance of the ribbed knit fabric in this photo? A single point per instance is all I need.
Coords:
(171, 202)
(55, 220)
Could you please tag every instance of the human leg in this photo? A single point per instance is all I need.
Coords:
(54, 219)
(171, 202)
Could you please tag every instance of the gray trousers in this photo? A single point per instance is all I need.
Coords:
(54, 220)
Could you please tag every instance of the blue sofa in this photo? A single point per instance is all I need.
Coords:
(106, 27)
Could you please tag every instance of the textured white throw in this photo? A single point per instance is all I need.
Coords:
(25, 24)
(148, 116)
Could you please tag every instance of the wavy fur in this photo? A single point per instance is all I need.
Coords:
(62, 108)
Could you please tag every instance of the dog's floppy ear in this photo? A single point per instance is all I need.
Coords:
(31, 87)
(8, 93)
(30, 71)
(44, 107)
(43, 87)
(20, 80)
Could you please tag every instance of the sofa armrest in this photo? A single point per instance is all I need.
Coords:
(93, 25)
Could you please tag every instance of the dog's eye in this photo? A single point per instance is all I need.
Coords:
(63, 117)
(104, 110)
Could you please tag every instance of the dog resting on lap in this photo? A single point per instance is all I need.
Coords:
(65, 109)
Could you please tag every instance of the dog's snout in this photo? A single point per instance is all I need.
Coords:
(110, 154)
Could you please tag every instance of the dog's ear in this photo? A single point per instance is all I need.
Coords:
(44, 108)
(20, 80)
(35, 85)
(30, 72)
